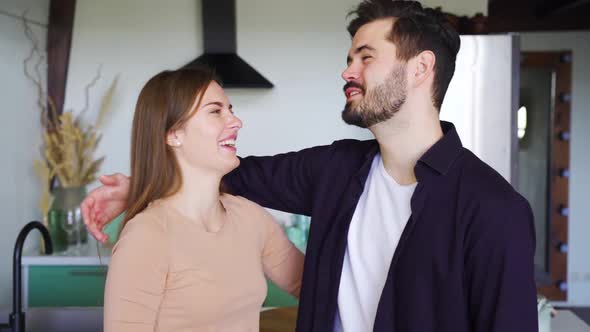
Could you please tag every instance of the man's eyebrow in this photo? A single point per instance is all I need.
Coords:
(358, 50)
(362, 48)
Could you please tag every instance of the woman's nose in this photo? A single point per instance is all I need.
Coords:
(234, 122)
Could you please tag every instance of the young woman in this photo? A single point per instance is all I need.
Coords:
(190, 257)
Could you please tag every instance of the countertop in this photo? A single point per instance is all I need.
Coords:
(567, 321)
(284, 319)
(91, 253)
(278, 319)
(90, 319)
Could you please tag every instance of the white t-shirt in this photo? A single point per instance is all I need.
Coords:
(375, 229)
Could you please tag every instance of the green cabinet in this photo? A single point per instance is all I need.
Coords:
(65, 286)
(83, 286)
(276, 297)
(79, 280)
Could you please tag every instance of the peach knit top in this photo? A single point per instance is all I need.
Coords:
(168, 273)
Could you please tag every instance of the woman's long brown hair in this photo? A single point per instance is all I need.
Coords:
(164, 104)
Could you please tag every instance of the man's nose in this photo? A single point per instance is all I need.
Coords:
(351, 73)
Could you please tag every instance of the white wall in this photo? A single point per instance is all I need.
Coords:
(20, 128)
(459, 7)
(579, 186)
(302, 53)
(298, 45)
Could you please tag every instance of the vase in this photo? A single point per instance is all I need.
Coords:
(59, 238)
(67, 215)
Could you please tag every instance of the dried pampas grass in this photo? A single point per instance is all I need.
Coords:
(69, 142)
(69, 145)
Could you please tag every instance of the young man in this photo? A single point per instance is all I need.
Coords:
(411, 231)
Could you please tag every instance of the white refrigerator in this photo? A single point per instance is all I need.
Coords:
(482, 100)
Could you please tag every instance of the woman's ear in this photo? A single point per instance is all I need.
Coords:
(174, 139)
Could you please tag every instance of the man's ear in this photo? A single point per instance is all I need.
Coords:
(174, 138)
(423, 67)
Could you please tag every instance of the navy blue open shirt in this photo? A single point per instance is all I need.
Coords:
(464, 262)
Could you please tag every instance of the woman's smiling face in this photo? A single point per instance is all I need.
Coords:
(208, 138)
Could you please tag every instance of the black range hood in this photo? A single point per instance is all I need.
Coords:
(219, 41)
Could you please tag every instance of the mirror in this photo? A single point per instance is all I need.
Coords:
(543, 124)
(534, 118)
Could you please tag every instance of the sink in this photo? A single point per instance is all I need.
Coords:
(71, 319)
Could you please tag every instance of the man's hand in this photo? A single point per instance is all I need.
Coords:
(105, 203)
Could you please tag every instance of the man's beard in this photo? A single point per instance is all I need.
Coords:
(378, 104)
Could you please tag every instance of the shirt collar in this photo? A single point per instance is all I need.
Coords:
(439, 157)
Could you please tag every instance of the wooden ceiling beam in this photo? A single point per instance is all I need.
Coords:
(59, 41)
(547, 8)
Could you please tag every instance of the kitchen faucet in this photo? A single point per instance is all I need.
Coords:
(17, 317)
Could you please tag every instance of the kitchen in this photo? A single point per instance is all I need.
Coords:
(133, 41)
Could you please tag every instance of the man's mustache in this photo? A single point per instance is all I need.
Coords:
(353, 84)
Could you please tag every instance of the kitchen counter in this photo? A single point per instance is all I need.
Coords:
(567, 321)
(284, 319)
(90, 254)
(63, 320)
(89, 319)
(279, 319)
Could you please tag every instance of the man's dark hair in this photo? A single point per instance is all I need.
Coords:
(416, 29)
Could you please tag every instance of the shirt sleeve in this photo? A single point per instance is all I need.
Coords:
(499, 267)
(282, 261)
(136, 277)
(283, 182)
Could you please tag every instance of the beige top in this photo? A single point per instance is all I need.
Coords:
(167, 273)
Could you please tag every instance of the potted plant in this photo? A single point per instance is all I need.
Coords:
(68, 163)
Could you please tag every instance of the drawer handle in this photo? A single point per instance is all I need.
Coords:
(88, 273)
